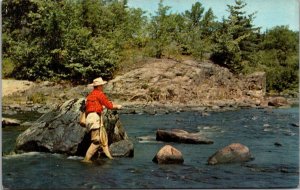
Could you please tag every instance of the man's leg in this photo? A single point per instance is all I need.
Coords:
(94, 145)
(91, 151)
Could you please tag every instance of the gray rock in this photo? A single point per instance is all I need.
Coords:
(277, 101)
(122, 148)
(168, 155)
(235, 152)
(58, 131)
(181, 136)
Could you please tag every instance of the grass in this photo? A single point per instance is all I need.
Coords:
(37, 98)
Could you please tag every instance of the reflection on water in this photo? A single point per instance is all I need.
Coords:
(270, 135)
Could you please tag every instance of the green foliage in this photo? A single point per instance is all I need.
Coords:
(84, 39)
(62, 40)
(37, 98)
(145, 86)
(279, 58)
(160, 28)
(236, 39)
(197, 32)
(7, 67)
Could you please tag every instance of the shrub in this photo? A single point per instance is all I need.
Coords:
(7, 67)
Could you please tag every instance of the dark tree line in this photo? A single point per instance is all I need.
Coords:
(79, 40)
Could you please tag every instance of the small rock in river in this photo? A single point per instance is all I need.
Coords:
(168, 155)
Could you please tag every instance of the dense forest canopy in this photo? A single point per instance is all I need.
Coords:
(76, 40)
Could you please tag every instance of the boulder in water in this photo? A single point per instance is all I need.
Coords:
(235, 152)
(181, 136)
(58, 131)
(122, 148)
(168, 155)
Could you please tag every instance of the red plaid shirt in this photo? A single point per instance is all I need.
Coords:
(96, 100)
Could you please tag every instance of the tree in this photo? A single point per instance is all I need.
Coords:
(161, 30)
(282, 40)
(279, 57)
(199, 26)
(195, 15)
(236, 39)
(34, 48)
(60, 40)
(208, 25)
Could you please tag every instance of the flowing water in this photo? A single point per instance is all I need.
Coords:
(270, 135)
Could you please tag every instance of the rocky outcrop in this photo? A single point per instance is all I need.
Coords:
(157, 86)
(168, 155)
(235, 152)
(181, 136)
(157, 83)
(11, 86)
(187, 83)
(255, 84)
(58, 131)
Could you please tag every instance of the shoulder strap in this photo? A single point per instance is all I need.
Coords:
(101, 120)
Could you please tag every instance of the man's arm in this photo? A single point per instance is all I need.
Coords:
(107, 103)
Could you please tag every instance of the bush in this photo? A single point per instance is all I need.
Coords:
(37, 98)
(7, 67)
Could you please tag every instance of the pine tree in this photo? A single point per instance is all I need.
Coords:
(198, 30)
(236, 39)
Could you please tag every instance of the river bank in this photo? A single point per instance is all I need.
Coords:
(158, 86)
(45, 96)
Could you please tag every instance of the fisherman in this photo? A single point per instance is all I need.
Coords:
(95, 102)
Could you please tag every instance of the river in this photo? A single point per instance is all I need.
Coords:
(270, 134)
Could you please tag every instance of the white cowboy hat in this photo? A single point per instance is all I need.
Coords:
(98, 82)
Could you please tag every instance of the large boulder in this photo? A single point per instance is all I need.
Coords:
(168, 155)
(122, 148)
(58, 131)
(235, 152)
(181, 136)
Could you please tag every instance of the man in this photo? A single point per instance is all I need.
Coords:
(95, 102)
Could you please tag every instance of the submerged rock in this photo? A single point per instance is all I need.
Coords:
(58, 131)
(277, 144)
(168, 155)
(294, 124)
(181, 136)
(235, 152)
